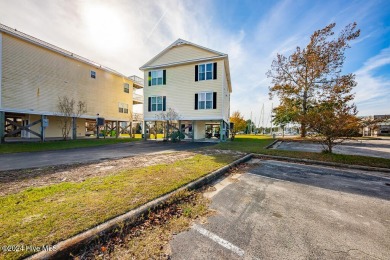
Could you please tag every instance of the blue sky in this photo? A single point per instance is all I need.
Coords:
(124, 35)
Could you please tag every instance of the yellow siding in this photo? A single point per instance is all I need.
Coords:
(182, 53)
(180, 92)
(34, 77)
(54, 128)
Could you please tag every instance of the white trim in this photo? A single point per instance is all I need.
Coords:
(223, 94)
(1, 66)
(181, 62)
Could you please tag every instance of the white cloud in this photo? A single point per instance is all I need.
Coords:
(372, 92)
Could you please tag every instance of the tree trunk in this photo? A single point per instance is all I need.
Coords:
(304, 111)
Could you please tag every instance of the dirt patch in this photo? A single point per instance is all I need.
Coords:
(149, 237)
(15, 181)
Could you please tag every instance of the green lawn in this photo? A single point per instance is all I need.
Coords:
(47, 215)
(257, 144)
(60, 145)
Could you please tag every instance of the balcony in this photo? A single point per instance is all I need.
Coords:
(138, 82)
(138, 99)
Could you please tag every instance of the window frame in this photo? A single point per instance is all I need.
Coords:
(157, 77)
(93, 74)
(204, 102)
(123, 108)
(206, 71)
(156, 103)
(126, 89)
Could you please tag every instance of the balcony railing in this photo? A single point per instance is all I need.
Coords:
(138, 99)
(137, 81)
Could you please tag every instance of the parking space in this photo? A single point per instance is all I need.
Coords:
(280, 210)
(374, 148)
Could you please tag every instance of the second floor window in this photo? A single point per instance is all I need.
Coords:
(93, 74)
(206, 71)
(126, 88)
(157, 77)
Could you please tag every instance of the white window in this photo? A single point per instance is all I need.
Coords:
(93, 74)
(205, 71)
(157, 77)
(123, 108)
(157, 103)
(205, 100)
(126, 88)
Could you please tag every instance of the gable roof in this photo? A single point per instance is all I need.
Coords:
(176, 43)
(180, 42)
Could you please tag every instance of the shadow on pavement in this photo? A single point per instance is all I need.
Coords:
(328, 178)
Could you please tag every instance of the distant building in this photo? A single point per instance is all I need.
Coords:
(195, 82)
(34, 74)
(376, 125)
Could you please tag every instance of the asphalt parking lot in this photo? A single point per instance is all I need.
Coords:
(374, 148)
(16, 161)
(280, 210)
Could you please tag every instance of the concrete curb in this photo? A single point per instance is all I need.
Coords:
(272, 144)
(63, 248)
(339, 165)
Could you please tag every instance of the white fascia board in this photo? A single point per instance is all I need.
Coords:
(181, 62)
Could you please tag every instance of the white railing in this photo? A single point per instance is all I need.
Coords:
(138, 98)
(137, 80)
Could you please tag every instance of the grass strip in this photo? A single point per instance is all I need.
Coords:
(60, 145)
(257, 144)
(47, 215)
(150, 235)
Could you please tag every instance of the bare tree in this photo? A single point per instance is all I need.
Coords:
(168, 117)
(67, 110)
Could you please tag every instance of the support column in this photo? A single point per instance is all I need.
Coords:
(144, 130)
(193, 131)
(221, 131)
(2, 127)
(117, 129)
(74, 128)
(179, 130)
(42, 128)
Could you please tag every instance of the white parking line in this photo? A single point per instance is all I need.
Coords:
(219, 240)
